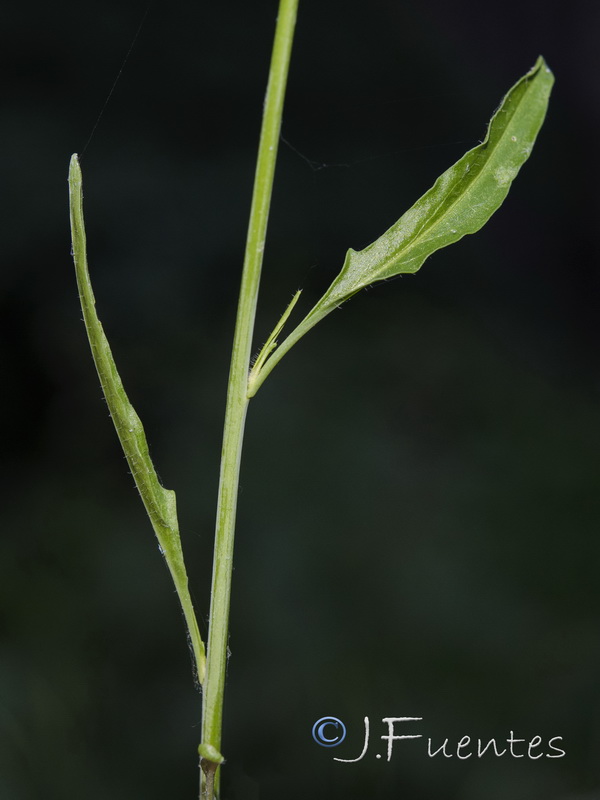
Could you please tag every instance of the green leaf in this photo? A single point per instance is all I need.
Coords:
(158, 501)
(460, 202)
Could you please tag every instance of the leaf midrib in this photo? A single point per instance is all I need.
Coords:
(429, 224)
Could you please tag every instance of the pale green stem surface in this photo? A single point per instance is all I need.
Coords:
(237, 399)
(158, 501)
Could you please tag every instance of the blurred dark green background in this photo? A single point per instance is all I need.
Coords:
(419, 506)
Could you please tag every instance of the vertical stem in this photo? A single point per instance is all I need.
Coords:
(237, 392)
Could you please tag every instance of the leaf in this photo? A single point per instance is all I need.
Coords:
(271, 342)
(159, 502)
(460, 202)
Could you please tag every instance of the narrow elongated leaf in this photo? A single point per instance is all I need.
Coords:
(460, 202)
(158, 501)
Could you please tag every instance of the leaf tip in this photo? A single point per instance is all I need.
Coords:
(74, 168)
(541, 65)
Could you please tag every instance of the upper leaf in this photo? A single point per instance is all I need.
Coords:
(462, 199)
(460, 202)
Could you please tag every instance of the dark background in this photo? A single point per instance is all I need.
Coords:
(419, 505)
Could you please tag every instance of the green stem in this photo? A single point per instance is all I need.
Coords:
(237, 399)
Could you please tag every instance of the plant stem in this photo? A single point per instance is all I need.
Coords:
(237, 399)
